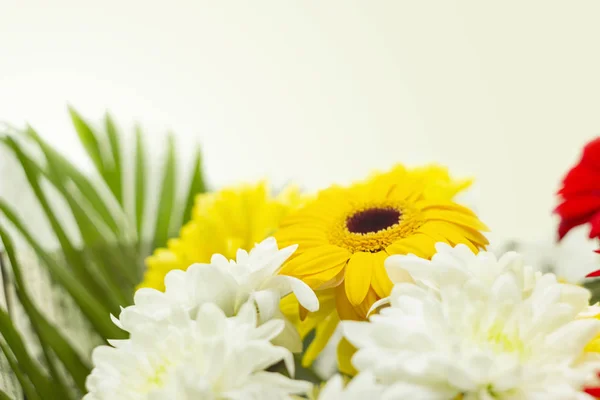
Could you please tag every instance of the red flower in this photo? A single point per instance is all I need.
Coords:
(580, 193)
(593, 391)
(594, 274)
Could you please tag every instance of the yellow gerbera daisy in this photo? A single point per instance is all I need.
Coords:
(222, 222)
(346, 233)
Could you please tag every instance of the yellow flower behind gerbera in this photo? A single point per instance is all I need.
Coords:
(346, 233)
(222, 222)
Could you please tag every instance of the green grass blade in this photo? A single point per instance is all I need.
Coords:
(88, 139)
(67, 170)
(73, 257)
(106, 166)
(116, 266)
(140, 183)
(47, 333)
(95, 311)
(15, 342)
(167, 197)
(28, 388)
(115, 146)
(4, 396)
(197, 186)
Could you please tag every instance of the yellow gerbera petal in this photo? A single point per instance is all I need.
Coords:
(364, 307)
(326, 279)
(345, 309)
(380, 281)
(323, 334)
(308, 236)
(313, 260)
(459, 218)
(345, 351)
(222, 222)
(419, 244)
(444, 205)
(358, 276)
(446, 231)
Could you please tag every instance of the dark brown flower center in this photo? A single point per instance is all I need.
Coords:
(373, 220)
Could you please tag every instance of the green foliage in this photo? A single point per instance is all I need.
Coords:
(593, 285)
(99, 272)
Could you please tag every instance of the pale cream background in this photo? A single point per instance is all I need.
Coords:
(323, 91)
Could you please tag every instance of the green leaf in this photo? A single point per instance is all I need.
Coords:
(73, 256)
(140, 183)
(593, 285)
(26, 385)
(116, 266)
(66, 170)
(4, 396)
(196, 187)
(116, 183)
(47, 332)
(167, 197)
(109, 168)
(16, 345)
(88, 140)
(92, 307)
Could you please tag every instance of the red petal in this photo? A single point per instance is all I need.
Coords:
(595, 226)
(591, 153)
(593, 391)
(593, 274)
(580, 179)
(580, 193)
(578, 207)
(567, 224)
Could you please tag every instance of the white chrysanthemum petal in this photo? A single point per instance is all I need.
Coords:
(289, 337)
(357, 333)
(270, 379)
(219, 259)
(267, 303)
(570, 339)
(227, 283)
(478, 326)
(332, 389)
(210, 357)
(288, 284)
(412, 391)
(591, 311)
(116, 321)
(241, 256)
(363, 386)
(211, 320)
(269, 330)
(417, 267)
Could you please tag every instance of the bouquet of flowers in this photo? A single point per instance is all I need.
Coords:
(247, 294)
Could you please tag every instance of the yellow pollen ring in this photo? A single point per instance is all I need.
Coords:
(373, 242)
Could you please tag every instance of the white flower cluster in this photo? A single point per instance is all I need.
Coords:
(475, 328)
(211, 335)
(469, 327)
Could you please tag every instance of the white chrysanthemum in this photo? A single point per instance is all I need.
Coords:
(362, 387)
(229, 284)
(207, 357)
(477, 327)
(459, 265)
